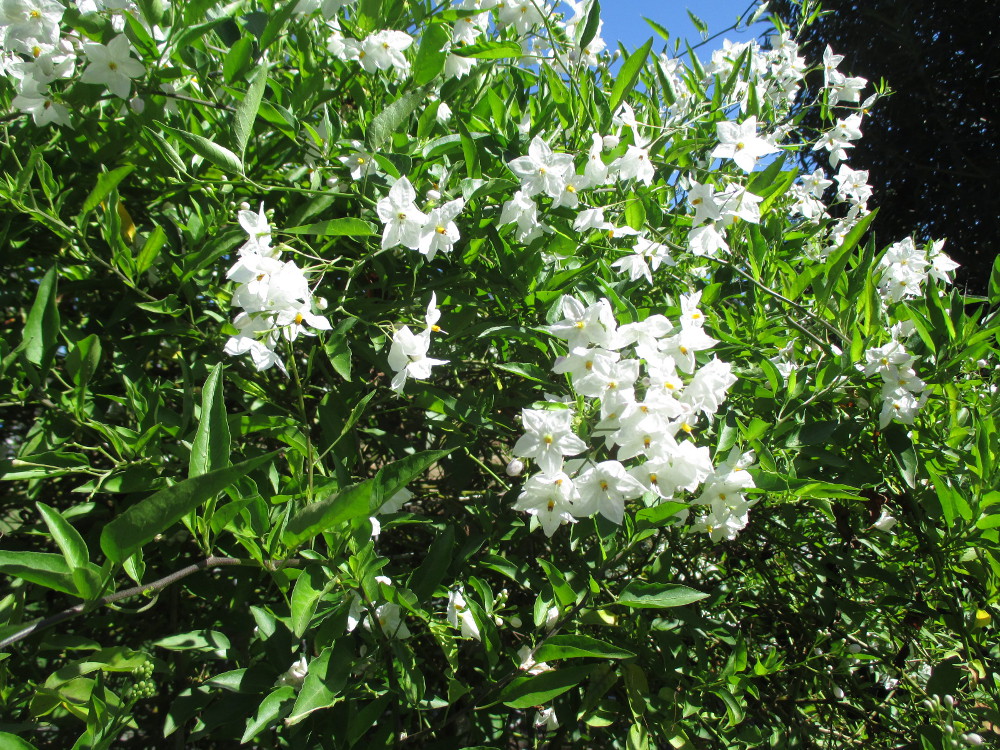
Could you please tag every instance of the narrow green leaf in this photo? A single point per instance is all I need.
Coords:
(212, 152)
(578, 646)
(327, 676)
(386, 122)
(246, 111)
(393, 477)
(428, 576)
(212, 445)
(639, 595)
(237, 60)
(196, 640)
(44, 568)
(309, 588)
(73, 547)
(346, 227)
(161, 510)
(432, 54)
(535, 690)
(272, 709)
(168, 151)
(658, 28)
(351, 502)
(13, 742)
(629, 74)
(590, 27)
(42, 326)
(105, 184)
(490, 50)
(150, 249)
(698, 23)
(275, 23)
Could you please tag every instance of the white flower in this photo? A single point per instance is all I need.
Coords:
(550, 497)
(403, 221)
(546, 717)
(295, 674)
(112, 66)
(542, 170)
(548, 437)
(439, 231)
(459, 615)
(740, 142)
(885, 521)
(408, 357)
(604, 488)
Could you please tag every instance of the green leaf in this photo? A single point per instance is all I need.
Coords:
(211, 446)
(327, 676)
(212, 152)
(13, 742)
(386, 122)
(237, 59)
(535, 690)
(158, 512)
(309, 588)
(275, 23)
(150, 249)
(358, 500)
(578, 646)
(272, 709)
(211, 641)
(629, 74)
(902, 451)
(73, 547)
(639, 595)
(44, 568)
(698, 23)
(432, 54)
(168, 151)
(105, 184)
(42, 325)
(246, 111)
(351, 502)
(588, 29)
(428, 576)
(658, 28)
(490, 50)
(395, 476)
(346, 227)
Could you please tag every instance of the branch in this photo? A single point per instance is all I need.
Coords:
(158, 585)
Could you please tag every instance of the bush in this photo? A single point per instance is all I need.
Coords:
(387, 374)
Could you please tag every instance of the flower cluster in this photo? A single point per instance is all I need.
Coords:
(652, 428)
(274, 295)
(408, 353)
(410, 227)
(36, 54)
(905, 268)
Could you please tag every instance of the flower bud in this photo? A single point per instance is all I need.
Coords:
(321, 303)
(515, 467)
(972, 739)
(433, 195)
(949, 701)
(137, 104)
(609, 142)
(244, 206)
(838, 693)
(515, 621)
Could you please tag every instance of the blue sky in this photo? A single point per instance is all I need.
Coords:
(623, 21)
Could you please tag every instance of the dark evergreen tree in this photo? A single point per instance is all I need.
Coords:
(932, 148)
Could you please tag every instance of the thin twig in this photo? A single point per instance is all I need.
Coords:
(158, 585)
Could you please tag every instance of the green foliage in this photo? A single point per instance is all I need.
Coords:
(218, 534)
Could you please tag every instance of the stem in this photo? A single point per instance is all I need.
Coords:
(158, 585)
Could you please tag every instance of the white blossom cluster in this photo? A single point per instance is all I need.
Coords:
(905, 268)
(36, 54)
(646, 422)
(408, 353)
(901, 388)
(274, 295)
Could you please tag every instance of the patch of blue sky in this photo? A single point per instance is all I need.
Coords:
(623, 23)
